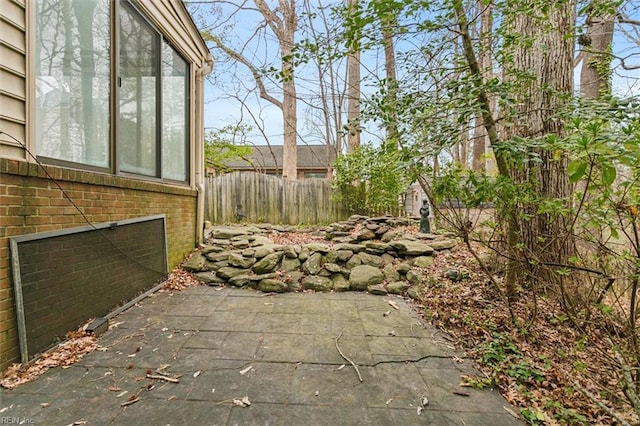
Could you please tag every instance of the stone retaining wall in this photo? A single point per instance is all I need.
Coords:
(360, 254)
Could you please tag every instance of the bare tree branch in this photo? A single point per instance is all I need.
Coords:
(626, 20)
(255, 72)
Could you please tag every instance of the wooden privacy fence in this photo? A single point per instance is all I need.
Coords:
(264, 198)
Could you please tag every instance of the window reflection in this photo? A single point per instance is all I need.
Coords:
(137, 143)
(175, 128)
(73, 90)
(72, 80)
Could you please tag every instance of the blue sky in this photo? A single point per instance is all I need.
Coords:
(230, 81)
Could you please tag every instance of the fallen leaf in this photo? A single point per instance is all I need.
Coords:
(244, 402)
(424, 401)
(69, 351)
(419, 410)
(179, 280)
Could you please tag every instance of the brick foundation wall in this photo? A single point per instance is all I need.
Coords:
(30, 203)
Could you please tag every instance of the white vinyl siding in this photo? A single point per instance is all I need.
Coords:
(13, 66)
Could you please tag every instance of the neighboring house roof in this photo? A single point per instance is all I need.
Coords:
(269, 157)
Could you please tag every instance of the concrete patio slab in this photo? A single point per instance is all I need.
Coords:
(278, 351)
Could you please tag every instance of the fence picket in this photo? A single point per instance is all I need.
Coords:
(271, 199)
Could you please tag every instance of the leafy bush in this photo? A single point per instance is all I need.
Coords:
(372, 180)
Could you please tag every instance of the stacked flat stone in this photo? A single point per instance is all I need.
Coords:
(361, 254)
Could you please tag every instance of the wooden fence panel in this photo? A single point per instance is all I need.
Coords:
(265, 198)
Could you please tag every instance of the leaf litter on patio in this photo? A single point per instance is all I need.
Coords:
(77, 344)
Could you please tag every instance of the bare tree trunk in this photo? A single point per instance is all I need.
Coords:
(289, 113)
(545, 56)
(353, 93)
(283, 21)
(324, 69)
(595, 75)
(480, 137)
(388, 24)
(544, 53)
(482, 98)
(284, 28)
(463, 144)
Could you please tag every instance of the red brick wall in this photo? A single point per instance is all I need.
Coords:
(30, 202)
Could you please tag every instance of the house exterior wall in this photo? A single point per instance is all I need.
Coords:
(13, 74)
(303, 173)
(30, 202)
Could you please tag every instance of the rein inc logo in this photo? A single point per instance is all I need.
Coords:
(8, 420)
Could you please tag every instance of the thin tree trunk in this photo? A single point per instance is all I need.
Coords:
(595, 75)
(288, 27)
(353, 91)
(290, 115)
(481, 139)
(482, 98)
(388, 24)
(353, 99)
